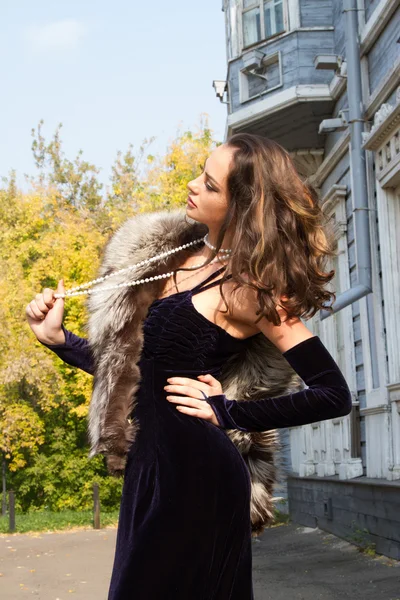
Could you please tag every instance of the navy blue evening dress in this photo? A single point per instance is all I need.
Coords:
(184, 530)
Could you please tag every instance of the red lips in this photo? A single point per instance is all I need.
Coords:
(190, 201)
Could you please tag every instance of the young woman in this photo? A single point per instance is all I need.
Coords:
(184, 530)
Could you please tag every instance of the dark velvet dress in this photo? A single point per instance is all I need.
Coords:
(184, 529)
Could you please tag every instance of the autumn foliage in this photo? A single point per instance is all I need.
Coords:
(57, 230)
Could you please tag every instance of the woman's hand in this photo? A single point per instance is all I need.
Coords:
(193, 402)
(45, 315)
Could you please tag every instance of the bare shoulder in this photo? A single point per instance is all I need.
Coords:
(243, 308)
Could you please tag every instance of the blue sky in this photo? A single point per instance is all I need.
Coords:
(111, 72)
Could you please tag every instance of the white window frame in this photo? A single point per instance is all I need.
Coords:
(264, 38)
(324, 447)
(384, 417)
(244, 97)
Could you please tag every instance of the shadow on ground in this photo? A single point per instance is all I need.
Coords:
(299, 563)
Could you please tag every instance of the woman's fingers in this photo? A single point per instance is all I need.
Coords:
(194, 407)
(48, 297)
(186, 389)
(213, 383)
(31, 314)
(185, 385)
(36, 311)
(187, 400)
(192, 402)
(45, 313)
(58, 307)
(41, 304)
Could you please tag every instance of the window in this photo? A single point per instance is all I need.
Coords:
(262, 19)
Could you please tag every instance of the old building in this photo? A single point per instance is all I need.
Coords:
(322, 77)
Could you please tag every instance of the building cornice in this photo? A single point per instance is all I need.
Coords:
(277, 102)
(374, 410)
(386, 122)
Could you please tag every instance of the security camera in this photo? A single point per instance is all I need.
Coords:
(220, 88)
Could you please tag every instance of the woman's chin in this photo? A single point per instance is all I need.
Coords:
(190, 211)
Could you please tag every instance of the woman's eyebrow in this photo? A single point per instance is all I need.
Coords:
(209, 176)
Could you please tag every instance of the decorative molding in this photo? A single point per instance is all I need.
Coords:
(374, 410)
(307, 162)
(386, 121)
(334, 202)
(394, 394)
(334, 195)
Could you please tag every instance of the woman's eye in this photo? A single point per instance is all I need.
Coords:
(209, 187)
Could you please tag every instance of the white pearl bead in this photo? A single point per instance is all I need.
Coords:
(74, 291)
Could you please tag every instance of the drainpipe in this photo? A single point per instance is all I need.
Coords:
(358, 167)
(362, 236)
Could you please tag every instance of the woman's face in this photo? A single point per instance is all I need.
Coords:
(209, 191)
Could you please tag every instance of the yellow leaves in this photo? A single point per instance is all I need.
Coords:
(59, 230)
(166, 184)
(80, 411)
(20, 428)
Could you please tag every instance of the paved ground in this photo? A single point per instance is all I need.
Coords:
(299, 563)
(290, 563)
(73, 565)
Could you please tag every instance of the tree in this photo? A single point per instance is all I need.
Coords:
(167, 179)
(58, 230)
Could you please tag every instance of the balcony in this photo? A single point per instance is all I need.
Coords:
(282, 95)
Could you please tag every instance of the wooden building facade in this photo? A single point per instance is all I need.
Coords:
(288, 77)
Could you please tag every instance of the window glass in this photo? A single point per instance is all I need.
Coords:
(273, 17)
(251, 26)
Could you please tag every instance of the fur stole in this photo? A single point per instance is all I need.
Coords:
(116, 339)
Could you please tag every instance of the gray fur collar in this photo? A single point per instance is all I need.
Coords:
(115, 333)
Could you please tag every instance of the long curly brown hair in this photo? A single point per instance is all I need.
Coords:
(282, 239)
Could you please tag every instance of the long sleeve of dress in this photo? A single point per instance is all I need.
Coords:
(75, 351)
(327, 396)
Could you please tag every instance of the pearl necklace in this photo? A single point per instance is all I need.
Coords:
(80, 289)
(207, 243)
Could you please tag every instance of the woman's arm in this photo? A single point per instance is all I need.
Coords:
(328, 395)
(75, 351)
(45, 317)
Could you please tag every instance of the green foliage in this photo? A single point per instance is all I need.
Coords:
(362, 539)
(280, 518)
(46, 520)
(75, 181)
(58, 230)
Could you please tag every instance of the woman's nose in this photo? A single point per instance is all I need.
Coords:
(192, 185)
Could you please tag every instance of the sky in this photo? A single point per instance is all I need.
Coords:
(113, 73)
